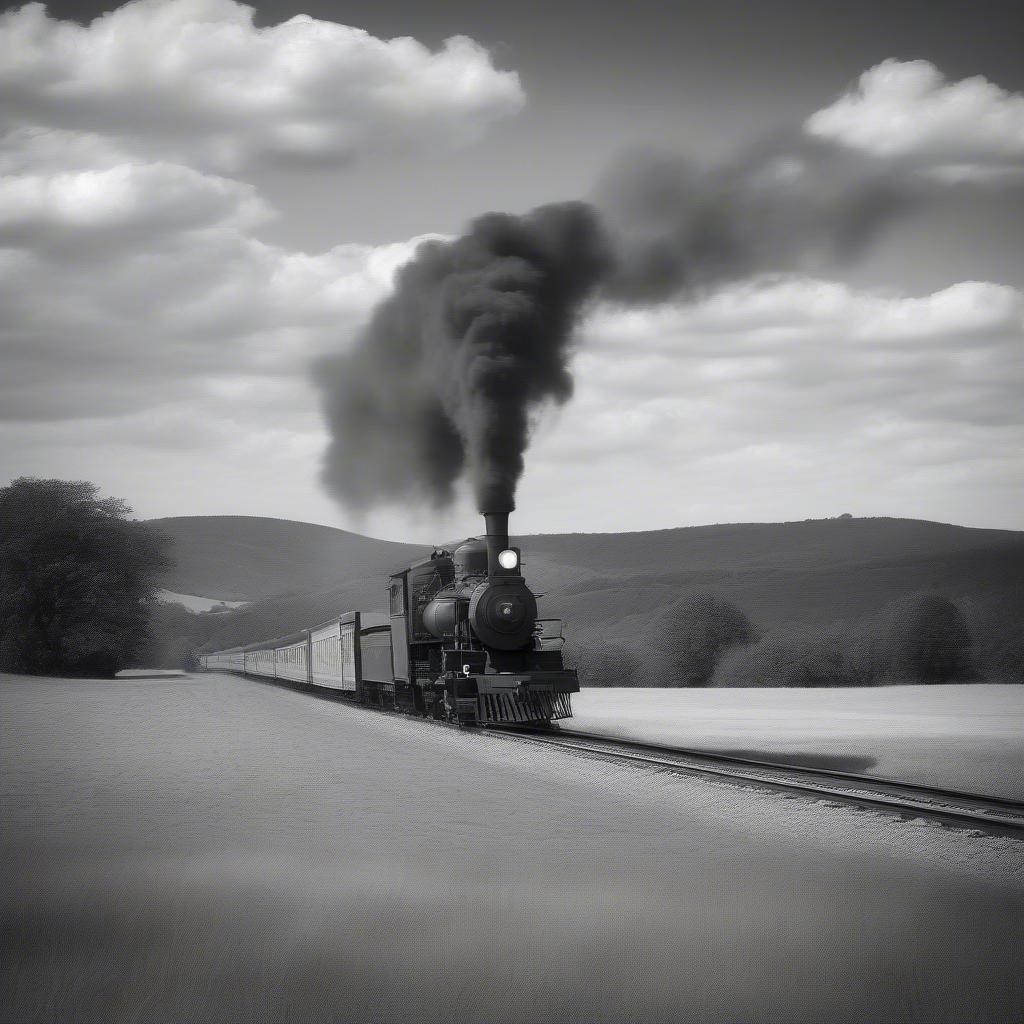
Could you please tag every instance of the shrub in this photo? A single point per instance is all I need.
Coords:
(920, 639)
(696, 632)
(929, 641)
(996, 622)
(805, 657)
(786, 659)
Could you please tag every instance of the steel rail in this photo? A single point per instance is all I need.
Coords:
(995, 813)
(712, 755)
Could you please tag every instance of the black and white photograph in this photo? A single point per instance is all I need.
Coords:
(512, 512)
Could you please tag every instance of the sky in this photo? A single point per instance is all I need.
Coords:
(199, 200)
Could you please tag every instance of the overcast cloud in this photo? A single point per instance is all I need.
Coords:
(152, 341)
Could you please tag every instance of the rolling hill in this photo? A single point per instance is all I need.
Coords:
(245, 558)
(611, 588)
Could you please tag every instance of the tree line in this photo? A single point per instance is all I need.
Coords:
(706, 640)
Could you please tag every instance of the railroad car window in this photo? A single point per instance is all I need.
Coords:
(396, 599)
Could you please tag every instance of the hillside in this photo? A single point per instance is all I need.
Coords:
(614, 589)
(812, 543)
(244, 558)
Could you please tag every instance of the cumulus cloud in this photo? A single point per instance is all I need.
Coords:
(32, 149)
(128, 288)
(907, 111)
(836, 348)
(793, 392)
(194, 81)
(134, 200)
(760, 313)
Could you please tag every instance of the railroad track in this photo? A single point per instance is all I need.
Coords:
(907, 799)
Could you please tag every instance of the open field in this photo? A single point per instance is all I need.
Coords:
(968, 737)
(211, 849)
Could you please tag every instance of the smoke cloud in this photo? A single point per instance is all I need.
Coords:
(791, 204)
(447, 372)
(478, 332)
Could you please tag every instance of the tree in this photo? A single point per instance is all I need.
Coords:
(75, 577)
(697, 631)
(996, 621)
(930, 641)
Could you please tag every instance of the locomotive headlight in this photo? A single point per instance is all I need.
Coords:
(508, 559)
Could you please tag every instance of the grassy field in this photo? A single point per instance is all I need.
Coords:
(965, 737)
(212, 849)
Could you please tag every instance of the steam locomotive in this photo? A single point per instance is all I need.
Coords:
(461, 642)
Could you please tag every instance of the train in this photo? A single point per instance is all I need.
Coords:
(460, 641)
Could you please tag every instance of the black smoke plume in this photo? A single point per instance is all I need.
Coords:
(790, 204)
(444, 377)
(477, 333)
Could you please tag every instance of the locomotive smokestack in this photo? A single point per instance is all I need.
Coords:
(497, 541)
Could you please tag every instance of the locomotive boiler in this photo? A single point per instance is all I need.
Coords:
(461, 641)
